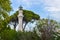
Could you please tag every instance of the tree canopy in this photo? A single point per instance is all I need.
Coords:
(46, 29)
(29, 16)
(5, 8)
(5, 5)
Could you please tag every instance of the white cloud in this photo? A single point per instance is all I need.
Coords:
(56, 16)
(54, 3)
(53, 7)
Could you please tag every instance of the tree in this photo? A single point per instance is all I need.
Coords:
(46, 28)
(5, 5)
(13, 35)
(27, 36)
(8, 35)
(29, 16)
(5, 8)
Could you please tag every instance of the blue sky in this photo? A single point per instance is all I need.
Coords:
(41, 7)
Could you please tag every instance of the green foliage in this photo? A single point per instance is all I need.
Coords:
(27, 36)
(47, 29)
(56, 36)
(5, 7)
(13, 35)
(4, 25)
(8, 35)
(28, 17)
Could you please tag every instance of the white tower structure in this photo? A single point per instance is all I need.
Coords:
(20, 19)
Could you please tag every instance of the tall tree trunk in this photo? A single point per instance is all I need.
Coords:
(24, 26)
(15, 26)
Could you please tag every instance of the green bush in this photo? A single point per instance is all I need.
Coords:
(8, 35)
(27, 36)
(13, 35)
